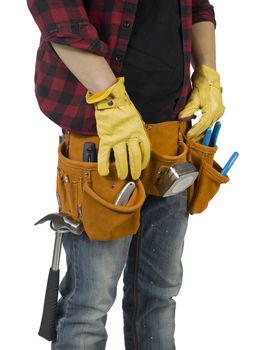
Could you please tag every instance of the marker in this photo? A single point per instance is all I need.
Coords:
(214, 135)
(207, 137)
(229, 164)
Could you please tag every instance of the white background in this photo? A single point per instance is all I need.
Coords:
(219, 305)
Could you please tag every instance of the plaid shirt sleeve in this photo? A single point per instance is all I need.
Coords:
(66, 22)
(202, 10)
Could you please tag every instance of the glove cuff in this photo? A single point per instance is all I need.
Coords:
(208, 73)
(101, 95)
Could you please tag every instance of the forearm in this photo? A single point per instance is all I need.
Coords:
(203, 44)
(90, 69)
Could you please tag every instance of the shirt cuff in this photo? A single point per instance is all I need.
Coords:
(204, 15)
(80, 35)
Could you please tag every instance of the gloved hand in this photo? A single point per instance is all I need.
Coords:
(207, 96)
(120, 127)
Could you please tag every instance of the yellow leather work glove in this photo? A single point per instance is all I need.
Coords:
(207, 96)
(120, 127)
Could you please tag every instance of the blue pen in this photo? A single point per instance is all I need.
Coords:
(214, 135)
(207, 137)
(229, 164)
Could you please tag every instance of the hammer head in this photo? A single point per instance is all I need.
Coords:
(60, 221)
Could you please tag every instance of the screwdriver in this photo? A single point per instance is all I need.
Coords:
(214, 135)
(229, 164)
(207, 137)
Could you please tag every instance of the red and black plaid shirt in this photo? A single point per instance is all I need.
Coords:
(104, 28)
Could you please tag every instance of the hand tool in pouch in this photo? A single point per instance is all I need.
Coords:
(210, 138)
(89, 152)
(207, 137)
(60, 223)
(229, 163)
(176, 179)
(125, 193)
(214, 135)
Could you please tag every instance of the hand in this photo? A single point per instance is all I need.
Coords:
(121, 128)
(207, 96)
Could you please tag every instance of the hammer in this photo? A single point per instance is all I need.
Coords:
(60, 223)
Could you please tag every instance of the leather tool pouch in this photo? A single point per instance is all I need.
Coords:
(167, 149)
(169, 146)
(209, 179)
(86, 196)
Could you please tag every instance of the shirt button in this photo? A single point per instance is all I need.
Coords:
(118, 57)
(126, 24)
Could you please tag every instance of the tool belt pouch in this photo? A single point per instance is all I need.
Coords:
(167, 149)
(209, 179)
(86, 196)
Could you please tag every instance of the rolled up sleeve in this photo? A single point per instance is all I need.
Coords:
(202, 10)
(66, 22)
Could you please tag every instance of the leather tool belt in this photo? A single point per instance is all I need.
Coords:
(86, 196)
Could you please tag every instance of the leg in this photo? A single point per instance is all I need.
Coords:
(88, 291)
(153, 274)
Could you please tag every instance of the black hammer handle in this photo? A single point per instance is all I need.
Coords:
(48, 323)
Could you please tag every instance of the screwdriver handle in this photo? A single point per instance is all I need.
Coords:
(229, 163)
(215, 133)
(207, 137)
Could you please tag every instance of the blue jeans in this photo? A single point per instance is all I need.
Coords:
(152, 277)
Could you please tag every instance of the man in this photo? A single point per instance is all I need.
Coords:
(85, 47)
